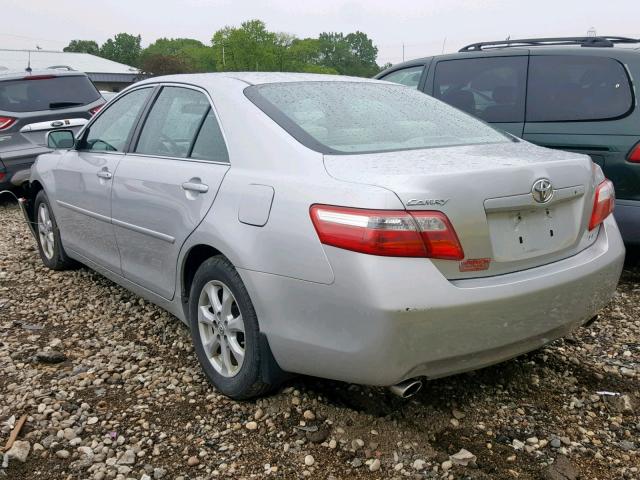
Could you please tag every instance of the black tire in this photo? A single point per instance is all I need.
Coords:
(58, 259)
(259, 373)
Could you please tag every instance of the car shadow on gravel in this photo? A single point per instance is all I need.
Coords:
(380, 402)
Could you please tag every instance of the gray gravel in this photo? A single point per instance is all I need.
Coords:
(112, 390)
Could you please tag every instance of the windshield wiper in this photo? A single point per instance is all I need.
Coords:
(64, 104)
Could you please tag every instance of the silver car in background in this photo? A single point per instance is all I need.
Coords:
(338, 227)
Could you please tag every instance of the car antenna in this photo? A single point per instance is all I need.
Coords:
(28, 69)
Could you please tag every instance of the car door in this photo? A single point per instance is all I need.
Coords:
(165, 185)
(84, 176)
(492, 88)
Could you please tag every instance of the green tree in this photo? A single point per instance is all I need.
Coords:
(251, 47)
(352, 54)
(83, 46)
(303, 55)
(123, 48)
(158, 64)
(185, 55)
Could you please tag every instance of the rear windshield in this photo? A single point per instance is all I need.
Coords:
(357, 117)
(46, 93)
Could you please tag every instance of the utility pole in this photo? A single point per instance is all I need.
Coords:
(403, 51)
(223, 62)
(444, 42)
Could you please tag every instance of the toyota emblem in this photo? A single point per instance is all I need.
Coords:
(542, 190)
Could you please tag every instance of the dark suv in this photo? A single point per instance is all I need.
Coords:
(34, 103)
(574, 94)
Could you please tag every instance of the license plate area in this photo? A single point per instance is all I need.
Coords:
(529, 232)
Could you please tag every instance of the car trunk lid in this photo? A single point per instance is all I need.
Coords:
(486, 192)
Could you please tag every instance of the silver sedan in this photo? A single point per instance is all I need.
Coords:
(338, 227)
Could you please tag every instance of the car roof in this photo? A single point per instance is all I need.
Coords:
(20, 74)
(256, 78)
(623, 50)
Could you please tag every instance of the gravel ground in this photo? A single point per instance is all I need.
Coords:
(112, 389)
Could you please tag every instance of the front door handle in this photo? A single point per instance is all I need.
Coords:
(106, 174)
(195, 187)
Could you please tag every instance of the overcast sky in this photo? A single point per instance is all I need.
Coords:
(422, 25)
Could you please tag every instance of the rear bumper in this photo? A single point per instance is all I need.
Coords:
(627, 215)
(388, 319)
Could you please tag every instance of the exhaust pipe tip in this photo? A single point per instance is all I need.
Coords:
(406, 389)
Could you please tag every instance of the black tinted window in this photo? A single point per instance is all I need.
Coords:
(489, 88)
(173, 123)
(407, 76)
(574, 88)
(46, 93)
(110, 131)
(209, 144)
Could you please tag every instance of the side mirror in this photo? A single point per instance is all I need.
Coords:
(60, 139)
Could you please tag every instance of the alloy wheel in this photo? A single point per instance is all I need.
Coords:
(45, 231)
(221, 328)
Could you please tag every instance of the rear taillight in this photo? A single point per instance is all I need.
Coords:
(603, 203)
(95, 110)
(391, 233)
(6, 122)
(634, 154)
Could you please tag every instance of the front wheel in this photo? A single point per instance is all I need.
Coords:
(225, 332)
(48, 236)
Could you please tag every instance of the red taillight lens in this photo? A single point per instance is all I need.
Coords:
(95, 110)
(391, 233)
(634, 154)
(6, 122)
(438, 235)
(603, 203)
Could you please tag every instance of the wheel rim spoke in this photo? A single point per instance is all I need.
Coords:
(226, 355)
(212, 293)
(236, 324)
(236, 349)
(227, 302)
(211, 346)
(205, 316)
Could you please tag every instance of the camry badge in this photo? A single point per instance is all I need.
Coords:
(427, 201)
(542, 190)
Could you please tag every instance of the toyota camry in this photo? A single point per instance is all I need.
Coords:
(339, 227)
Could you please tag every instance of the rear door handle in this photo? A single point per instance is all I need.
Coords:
(106, 174)
(195, 187)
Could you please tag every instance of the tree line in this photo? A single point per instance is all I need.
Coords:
(249, 47)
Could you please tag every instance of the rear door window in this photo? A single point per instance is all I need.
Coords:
(407, 76)
(566, 88)
(37, 93)
(492, 89)
(173, 123)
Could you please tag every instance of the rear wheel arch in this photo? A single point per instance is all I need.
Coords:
(195, 257)
(34, 188)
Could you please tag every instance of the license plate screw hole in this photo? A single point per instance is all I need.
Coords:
(551, 233)
(521, 241)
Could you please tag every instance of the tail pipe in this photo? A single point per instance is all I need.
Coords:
(406, 389)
